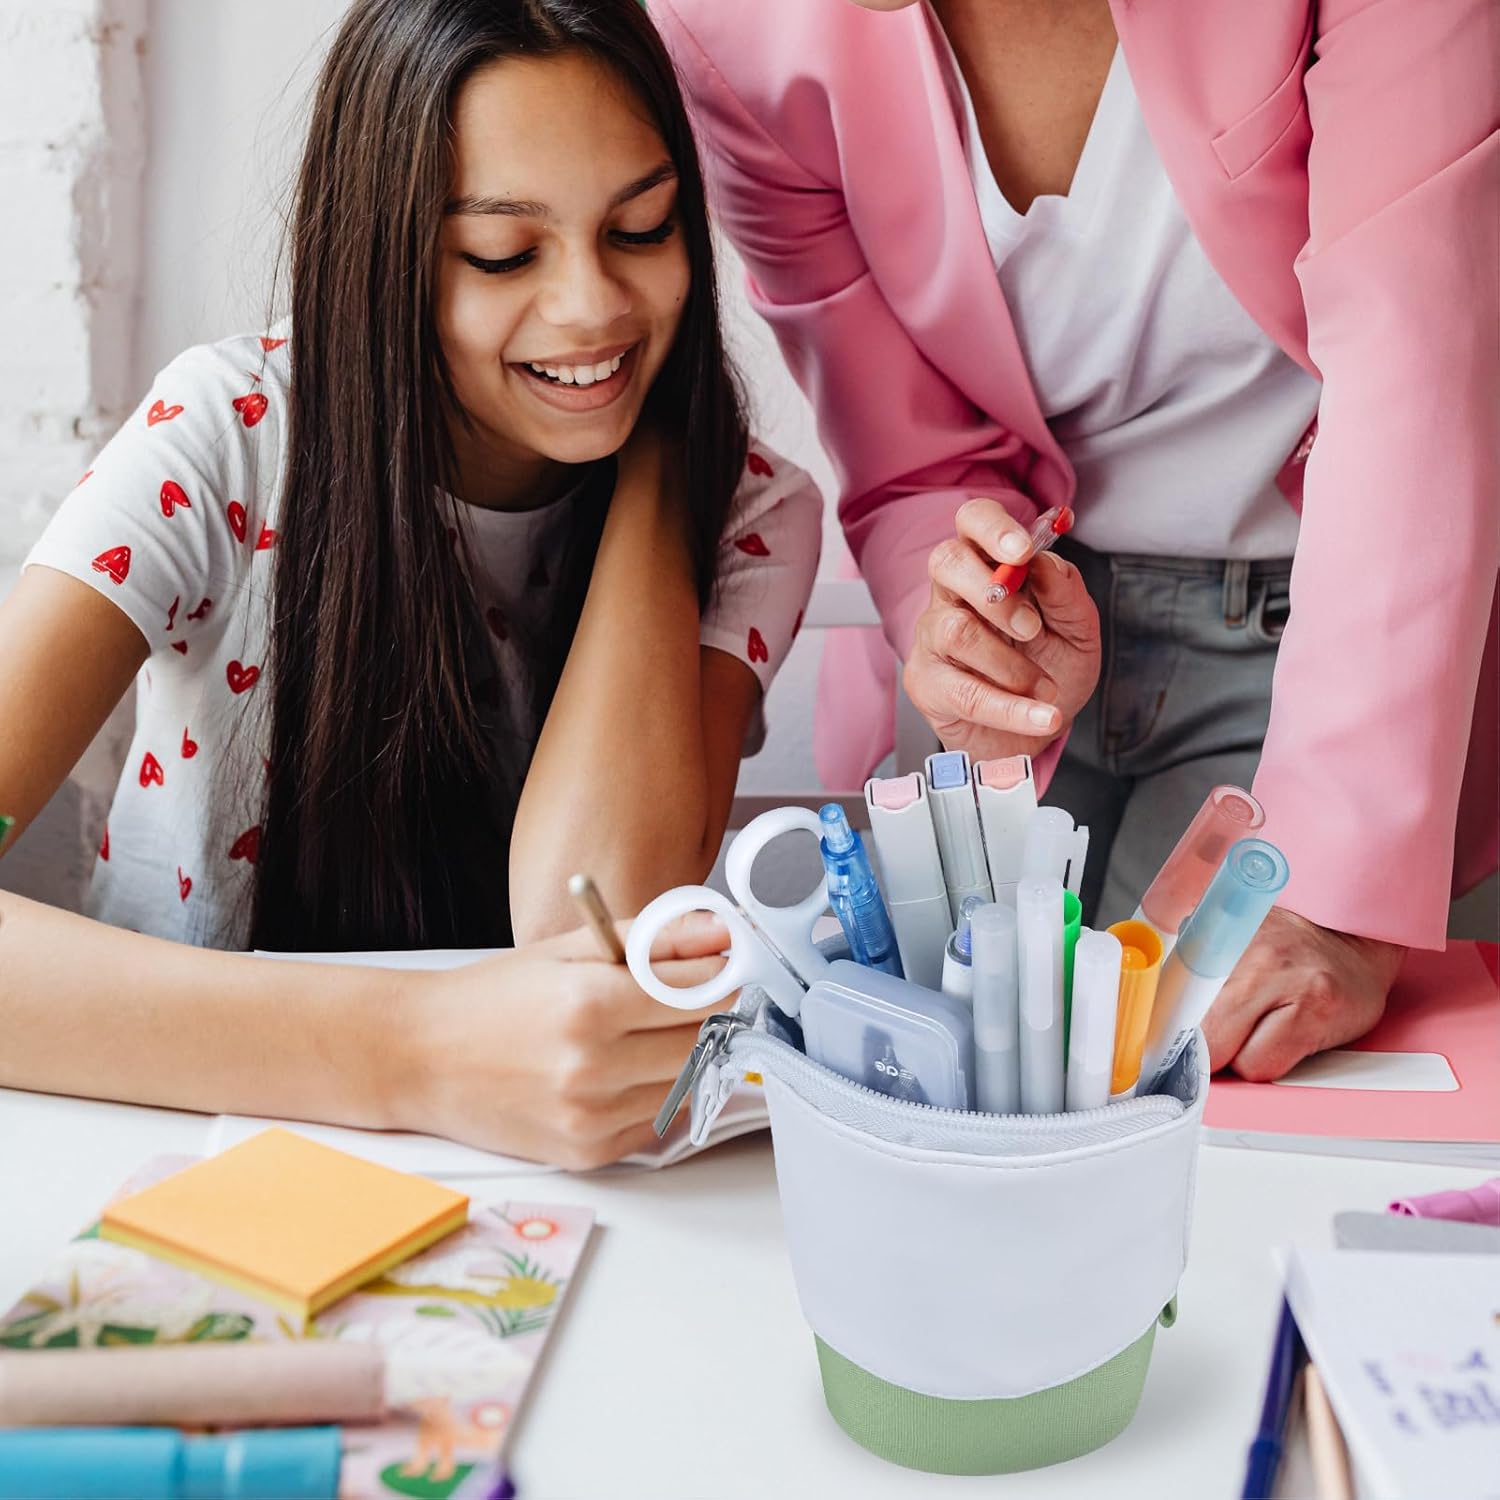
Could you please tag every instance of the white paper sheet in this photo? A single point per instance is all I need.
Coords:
(1408, 1346)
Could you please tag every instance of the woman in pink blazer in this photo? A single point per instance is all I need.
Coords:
(1338, 164)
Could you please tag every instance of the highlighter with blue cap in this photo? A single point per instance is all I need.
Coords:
(854, 895)
(1210, 944)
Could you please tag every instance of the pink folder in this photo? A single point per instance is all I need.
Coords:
(1447, 1003)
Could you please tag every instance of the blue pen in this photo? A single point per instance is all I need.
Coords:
(854, 895)
(1287, 1357)
(159, 1463)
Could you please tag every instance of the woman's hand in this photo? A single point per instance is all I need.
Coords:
(549, 1051)
(1299, 989)
(1001, 679)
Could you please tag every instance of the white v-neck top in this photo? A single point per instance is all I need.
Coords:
(1174, 407)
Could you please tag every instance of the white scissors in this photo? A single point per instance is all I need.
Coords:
(773, 949)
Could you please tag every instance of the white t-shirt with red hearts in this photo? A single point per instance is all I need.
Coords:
(176, 525)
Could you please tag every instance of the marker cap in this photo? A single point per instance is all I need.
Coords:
(1054, 848)
(1227, 814)
(1234, 905)
(1140, 968)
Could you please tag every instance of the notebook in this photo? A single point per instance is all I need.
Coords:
(1424, 1085)
(293, 1223)
(431, 1156)
(1408, 1347)
(462, 1326)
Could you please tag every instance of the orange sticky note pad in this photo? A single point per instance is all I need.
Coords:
(286, 1220)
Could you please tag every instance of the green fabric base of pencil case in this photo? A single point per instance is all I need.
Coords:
(984, 1290)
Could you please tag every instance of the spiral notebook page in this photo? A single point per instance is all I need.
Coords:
(431, 1156)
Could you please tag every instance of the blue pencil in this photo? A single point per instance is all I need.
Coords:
(1287, 1357)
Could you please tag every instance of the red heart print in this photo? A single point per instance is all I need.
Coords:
(251, 408)
(236, 514)
(753, 544)
(189, 746)
(266, 540)
(269, 344)
(180, 647)
(757, 465)
(104, 845)
(115, 562)
(184, 884)
(172, 613)
(173, 495)
(757, 646)
(151, 773)
(201, 613)
(496, 621)
(247, 845)
(161, 412)
(241, 679)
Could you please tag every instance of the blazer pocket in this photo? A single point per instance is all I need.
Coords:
(1245, 143)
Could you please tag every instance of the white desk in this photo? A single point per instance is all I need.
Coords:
(682, 1368)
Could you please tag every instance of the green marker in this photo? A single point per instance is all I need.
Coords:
(1072, 923)
(6, 824)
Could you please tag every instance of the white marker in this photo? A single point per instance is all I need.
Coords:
(997, 1010)
(955, 819)
(1007, 802)
(1210, 944)
(912, 874)
(1055, 850)
(1039, 928)
(1091, 1030)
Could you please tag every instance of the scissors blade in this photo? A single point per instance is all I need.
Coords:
(771, 948)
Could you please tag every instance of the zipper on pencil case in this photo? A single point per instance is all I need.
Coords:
(905, 1122)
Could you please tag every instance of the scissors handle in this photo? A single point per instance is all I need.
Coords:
(750, 962)
(789, 927)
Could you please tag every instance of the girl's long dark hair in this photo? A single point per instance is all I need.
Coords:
(393, 777)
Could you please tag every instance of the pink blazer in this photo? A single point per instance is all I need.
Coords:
(1344, 178)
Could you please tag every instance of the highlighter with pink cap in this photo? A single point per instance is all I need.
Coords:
(916, 894)
(1228, 814)
(1006, 794)
(1477, 1205)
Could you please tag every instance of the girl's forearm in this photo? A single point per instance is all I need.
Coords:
(618, 784)
(94, 1010)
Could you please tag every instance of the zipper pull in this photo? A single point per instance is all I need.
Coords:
(702, 1063)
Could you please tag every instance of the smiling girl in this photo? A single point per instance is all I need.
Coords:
(463, 578)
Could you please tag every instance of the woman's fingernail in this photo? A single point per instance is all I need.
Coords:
(1041, 717)
(1013, 545)
(1025, 623)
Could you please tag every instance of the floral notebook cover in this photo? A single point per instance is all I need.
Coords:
(462, 1326)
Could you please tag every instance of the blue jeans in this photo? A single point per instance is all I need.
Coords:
(1183, 700)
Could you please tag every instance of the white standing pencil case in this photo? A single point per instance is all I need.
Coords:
(984, 1290)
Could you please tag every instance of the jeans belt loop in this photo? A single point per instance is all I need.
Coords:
(1236, 592)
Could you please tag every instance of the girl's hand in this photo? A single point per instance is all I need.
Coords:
(1001, 679)
(549, 1051)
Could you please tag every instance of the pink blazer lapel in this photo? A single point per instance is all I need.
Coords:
(1220, 87)
(910, 200)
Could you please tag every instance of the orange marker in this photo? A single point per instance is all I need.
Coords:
(1140, 968)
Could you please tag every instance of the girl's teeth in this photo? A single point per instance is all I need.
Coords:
(579, 374)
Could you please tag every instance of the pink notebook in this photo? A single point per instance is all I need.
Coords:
(1444, 1016)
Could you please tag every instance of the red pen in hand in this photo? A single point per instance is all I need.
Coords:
(1008, 577)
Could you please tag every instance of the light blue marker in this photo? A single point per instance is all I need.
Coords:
(854, 895)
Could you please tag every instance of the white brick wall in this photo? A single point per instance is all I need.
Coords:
(72, 156)
(72, 161)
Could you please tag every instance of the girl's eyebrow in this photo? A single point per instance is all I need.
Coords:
(528, 208)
